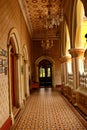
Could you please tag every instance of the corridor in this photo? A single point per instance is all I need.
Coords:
(47, 109)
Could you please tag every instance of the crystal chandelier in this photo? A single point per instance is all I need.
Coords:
(46, 44)
(51, 20)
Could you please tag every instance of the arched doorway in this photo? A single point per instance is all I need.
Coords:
(14, 56)
(52, 68)
(14, 77)
(45, 73)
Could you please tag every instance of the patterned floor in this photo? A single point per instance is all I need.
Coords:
(46, 109)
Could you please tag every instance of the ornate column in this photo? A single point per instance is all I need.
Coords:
(77, 55)
(18, 79)
(64, 72)
(22, 79)
(26, 78)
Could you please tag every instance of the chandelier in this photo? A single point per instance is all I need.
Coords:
(51, 19)
(46, 44)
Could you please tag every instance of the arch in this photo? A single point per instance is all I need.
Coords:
(14, 50)
(73, 24)
(84, 30)
(14, 35)
(44, 58)
(85, 6)
(81, 26)
(37, 67)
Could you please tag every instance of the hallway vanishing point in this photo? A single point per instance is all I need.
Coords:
(47, 109)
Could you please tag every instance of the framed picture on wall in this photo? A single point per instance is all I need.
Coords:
(5, 62)
(0, 52)
(3, 52)
(2, 69)
(1, 62)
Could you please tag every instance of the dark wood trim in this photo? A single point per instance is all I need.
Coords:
(7, 124)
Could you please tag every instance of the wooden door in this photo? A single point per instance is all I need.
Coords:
(45, 74)
(12, 76)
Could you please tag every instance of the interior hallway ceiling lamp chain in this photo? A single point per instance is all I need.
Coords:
(51, 19)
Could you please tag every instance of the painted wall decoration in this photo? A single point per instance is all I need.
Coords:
(3, 52)
(3, 61)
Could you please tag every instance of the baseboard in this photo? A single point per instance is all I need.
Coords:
(7, 124)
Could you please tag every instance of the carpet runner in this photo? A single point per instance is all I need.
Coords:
(47, 109)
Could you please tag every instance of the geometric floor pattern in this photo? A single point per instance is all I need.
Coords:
(47, 109)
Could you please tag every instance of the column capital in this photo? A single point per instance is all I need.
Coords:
(64, 59)
(76, 52)
(18, 55)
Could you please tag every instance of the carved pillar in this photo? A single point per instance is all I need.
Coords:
(18, 79)
(22, 78)
(76, 54)
(26, 78)
(64, 72)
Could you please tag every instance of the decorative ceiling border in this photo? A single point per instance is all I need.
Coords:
(28, 23)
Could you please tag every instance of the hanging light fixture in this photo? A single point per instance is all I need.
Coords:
(46, 44)
(51, 20)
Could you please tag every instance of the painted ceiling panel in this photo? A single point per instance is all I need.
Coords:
(37, 10)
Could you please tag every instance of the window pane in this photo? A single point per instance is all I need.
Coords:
(43, 72)
(48, 72)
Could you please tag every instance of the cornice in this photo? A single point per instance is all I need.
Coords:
(28, 23)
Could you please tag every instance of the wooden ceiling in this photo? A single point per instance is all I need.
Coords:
(35, 7)
(32, 10)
